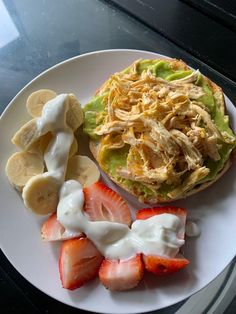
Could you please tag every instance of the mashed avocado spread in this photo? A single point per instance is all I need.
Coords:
(114, 158)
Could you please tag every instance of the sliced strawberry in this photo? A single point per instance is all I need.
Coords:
(102, 203)
(119, 275)
(79, 262)
(146, 213)
(52, 230)
(162, 266)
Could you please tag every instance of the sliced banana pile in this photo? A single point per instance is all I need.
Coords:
(26, 169)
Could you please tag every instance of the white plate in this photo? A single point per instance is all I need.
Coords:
(214, 209)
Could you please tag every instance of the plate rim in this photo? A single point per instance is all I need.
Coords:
(21, 91)
(61, 63)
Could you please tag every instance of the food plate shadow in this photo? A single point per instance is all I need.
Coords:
(214, 194)
(189, 251)
(173, 280)
(84, 139)
(78, 295)
(55, 247)
(157, 287)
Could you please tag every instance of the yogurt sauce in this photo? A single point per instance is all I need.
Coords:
(154, 236)
(192, 229)
(53, 120)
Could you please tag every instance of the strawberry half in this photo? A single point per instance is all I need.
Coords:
(160, 265)
(79, 262)
(119, 275)
(102, 203)
(146, 213)
(52, 230)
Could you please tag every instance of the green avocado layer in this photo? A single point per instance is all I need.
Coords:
(93, 116)
(118, 159)
(94, 112)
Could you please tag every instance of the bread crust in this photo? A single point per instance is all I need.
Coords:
(220, 102)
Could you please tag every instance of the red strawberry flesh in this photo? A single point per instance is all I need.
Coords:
(160, 265)
(120, 275)
(146, 213)
(52, 230)
(104, 204)
(79, 262)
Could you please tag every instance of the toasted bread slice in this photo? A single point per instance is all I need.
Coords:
(220, 103)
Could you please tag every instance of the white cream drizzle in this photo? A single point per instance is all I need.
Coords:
(53, 120)
(192, 229)
(156, 235)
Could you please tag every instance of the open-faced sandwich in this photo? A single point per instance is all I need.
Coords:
(159, 130)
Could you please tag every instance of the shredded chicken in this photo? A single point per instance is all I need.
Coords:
(206, 118)
(189, 79)
(115, 126)
(161, 136)
(195, 177)
(167, 128)
(192, 155)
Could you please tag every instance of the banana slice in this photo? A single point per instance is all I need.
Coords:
(82, 169)
(74, 115)
(27, 135)
(73, 148)
(35, 148)
(44, 142)
(41, 194)
(22, 166)
(37, 100)
(41, 145)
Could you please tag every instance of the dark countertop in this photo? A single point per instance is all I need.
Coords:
(35, 35)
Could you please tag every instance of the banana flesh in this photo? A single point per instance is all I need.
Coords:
(22, 166)
(74, 116)
(41, 145)
(82, 169)
(37, 100)
(35, 148)
(44, 142)
(27, 135)
(41, 194)
(73, 148)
